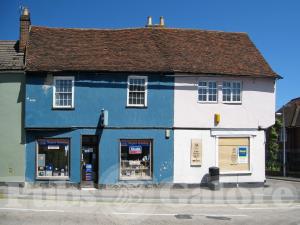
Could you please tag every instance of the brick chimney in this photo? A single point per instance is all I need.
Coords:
(24, 29)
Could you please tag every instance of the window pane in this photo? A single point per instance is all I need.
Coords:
(53, 158)
(63, 95)
(137, 91)
(136, 160)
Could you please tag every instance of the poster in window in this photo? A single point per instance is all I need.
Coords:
(135, 149)
(234, 157)
(196, 152)
(41, 160)
(242, 154)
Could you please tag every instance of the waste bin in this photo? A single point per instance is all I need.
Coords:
(214, 178)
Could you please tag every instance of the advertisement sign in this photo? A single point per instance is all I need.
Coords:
(243, 154)
(196, 152)
(135, 149)
(41, 160)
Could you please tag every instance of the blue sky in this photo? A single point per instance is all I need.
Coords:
(273, 25)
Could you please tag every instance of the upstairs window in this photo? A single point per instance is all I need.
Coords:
(137, 91)
(63, 92)
(207, 91)
(232, 92)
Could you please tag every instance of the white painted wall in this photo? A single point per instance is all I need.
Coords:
(257, 107)
(184, 173)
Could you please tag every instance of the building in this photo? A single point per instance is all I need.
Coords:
(291, 114)
(147, 105)
(12, 91)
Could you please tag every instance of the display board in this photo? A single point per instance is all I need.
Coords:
(196, 152)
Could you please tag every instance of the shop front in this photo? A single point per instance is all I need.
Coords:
(90, 158)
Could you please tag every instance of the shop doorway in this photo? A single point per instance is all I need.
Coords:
(89, 160)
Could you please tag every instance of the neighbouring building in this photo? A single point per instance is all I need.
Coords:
(145, 106)
(291, 114)
(12, 91)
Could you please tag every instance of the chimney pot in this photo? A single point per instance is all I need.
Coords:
(161, 21)
(149, 21)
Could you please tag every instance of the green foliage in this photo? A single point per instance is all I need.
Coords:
(273, 163)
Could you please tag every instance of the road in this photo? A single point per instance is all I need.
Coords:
(28, 211)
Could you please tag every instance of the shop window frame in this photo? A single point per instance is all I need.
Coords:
(235, 172)
(122, 178)
(62, 178)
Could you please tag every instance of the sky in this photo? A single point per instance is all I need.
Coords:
(273, 25)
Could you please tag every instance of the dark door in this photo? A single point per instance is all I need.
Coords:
(89, 160)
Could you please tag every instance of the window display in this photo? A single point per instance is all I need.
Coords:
(53, 158)
(136, 159)
(234, 154)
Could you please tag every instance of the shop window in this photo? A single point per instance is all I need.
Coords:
(53, 158)
(136, 159)
(137, 91)
(234, 154)
(63, 92)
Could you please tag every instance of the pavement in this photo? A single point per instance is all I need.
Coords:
(274, 191)
(277, 202)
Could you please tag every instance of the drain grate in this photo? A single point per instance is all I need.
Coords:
(183, 216)
(218, 217)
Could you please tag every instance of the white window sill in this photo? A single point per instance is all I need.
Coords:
(232, 103)
(136, 106)
(207, 102)
(53, 178)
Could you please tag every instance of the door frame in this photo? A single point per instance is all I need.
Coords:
(97, 157)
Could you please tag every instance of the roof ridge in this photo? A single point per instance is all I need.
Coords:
(139, 28)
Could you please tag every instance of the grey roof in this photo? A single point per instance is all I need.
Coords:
(10, 58)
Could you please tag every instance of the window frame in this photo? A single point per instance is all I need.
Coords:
(241, 172)
(145, 91)
(207, 91)
(55, 78)
(64, 178)
(231, 92)
(122, 178)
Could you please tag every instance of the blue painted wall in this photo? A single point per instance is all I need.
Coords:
(109, 153)
(95, 92)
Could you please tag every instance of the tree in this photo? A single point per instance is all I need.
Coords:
(273, 159)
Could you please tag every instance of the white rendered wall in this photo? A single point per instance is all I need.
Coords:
(185, 173)
(257, 107)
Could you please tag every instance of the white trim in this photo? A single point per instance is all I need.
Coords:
(146, 91)
(241, 92)
(54, 91)
(207, 93)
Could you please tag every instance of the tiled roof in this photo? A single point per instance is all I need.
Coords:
(10, 59)
(144, 50)
(291, 113)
